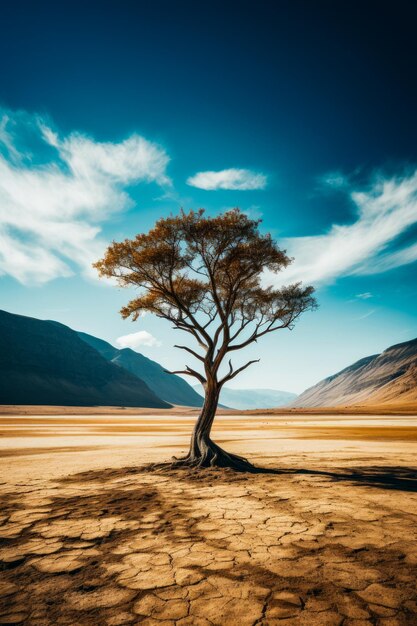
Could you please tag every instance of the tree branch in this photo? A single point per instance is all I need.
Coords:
(188, 372)
(232, 374)
(255, 336)
(197, 356)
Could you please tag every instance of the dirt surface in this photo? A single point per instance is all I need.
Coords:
(324, 535)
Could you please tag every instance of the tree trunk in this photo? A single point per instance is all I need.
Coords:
(203, 451)
(200, 439)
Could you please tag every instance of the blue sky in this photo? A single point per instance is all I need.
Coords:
(301, 113)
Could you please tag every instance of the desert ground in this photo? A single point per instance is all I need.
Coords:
(324, 534)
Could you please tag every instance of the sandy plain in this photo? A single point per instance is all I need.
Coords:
(324, 535)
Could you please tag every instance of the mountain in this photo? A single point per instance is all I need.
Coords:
(243, 399)
(386, 378)
(169, 387)
(44, 362)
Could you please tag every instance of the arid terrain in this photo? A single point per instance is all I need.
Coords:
(324, 535)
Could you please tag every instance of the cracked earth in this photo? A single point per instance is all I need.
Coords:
(333, 543)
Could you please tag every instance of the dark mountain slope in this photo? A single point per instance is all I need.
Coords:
(170, 387)
(389, 377)
(45, 362)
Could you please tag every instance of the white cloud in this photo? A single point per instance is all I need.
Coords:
(364, 296)
(234, 179)
(384, 211)
(137, 340)
(51, 208)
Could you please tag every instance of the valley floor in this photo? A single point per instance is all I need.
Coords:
(325, 535)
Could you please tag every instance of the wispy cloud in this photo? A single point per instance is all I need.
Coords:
(137, 340)
(333, 180)
(383, 211)
(54, 197)
(233, 179)
(364, 296)
(365, 315)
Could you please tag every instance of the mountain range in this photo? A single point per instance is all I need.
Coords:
(386, 378)
(45, 362)
(246, 399)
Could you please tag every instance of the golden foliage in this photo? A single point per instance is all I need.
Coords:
(203, 274)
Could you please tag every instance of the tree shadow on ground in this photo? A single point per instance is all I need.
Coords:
(385, 477)
(398, 478)
(390, 477)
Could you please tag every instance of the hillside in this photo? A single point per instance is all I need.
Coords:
(246, 399)
(45, 362)
(169, 387)
(389, 377)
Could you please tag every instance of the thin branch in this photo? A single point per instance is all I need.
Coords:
(230, 368)
(197, 356)
(255, 336)
(236, 372)
(188, 372)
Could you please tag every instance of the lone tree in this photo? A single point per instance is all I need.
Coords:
(203, 274)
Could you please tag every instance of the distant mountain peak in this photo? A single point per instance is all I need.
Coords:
(246, 399)
(389, 377)
(163, 384)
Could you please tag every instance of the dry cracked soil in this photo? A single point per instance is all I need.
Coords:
(290, 545)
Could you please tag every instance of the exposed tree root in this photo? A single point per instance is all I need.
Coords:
(208, 454)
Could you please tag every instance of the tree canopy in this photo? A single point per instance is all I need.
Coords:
(204, 274)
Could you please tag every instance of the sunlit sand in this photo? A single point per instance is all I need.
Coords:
(326, 535)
